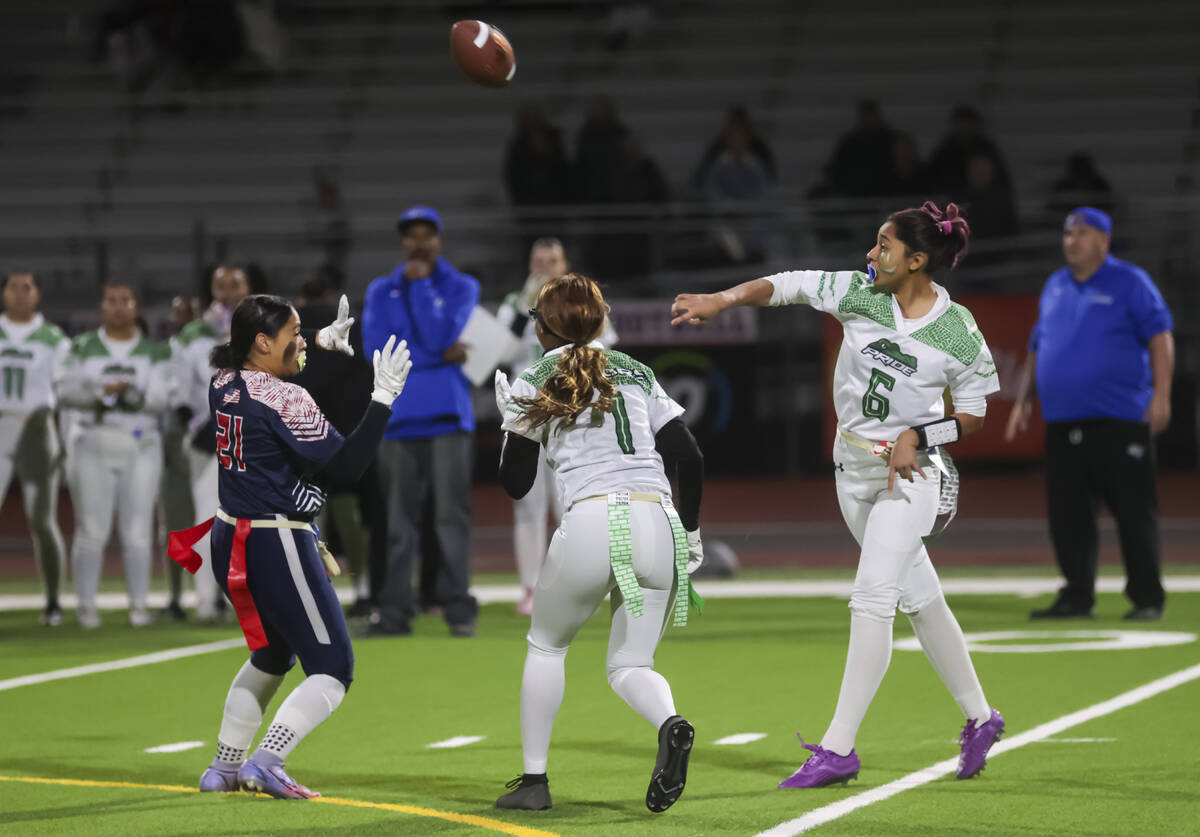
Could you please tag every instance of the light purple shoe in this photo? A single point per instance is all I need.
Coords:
(824, 767)
(214, 779)
(272, 780)
(976, 741)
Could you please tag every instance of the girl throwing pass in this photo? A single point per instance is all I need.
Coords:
(904, 342)
(606, 426)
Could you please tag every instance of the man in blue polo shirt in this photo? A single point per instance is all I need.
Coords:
(1104, 355)
(429, 443)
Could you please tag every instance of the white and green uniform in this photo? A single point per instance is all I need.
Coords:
(114, 456)
(529, 513)
(190, 351)
(620, 535)
(31, 357)
(891, 374)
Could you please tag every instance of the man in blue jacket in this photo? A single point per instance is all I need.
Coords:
(429, 442)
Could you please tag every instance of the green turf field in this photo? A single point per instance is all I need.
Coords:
(746, 666)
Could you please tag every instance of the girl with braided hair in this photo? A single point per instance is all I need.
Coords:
(904, 342)
(611, 437)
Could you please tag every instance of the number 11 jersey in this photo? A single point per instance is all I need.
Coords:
(891, 372)
(271, 439)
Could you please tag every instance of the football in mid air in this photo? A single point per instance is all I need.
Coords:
(482, 52)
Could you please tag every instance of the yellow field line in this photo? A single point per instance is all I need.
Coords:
(466, 819)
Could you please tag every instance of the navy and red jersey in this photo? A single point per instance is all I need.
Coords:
(271, 439)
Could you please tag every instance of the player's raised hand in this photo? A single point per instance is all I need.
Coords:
(695, 552)
(392, 365)
(335, 337)
(903, 459)
(694, 309)
(503, 393)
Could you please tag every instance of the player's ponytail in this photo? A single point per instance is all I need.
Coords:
(573, 309)
(255, 315)
(942, 235)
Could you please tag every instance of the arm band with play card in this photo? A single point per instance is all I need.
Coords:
(940, 432)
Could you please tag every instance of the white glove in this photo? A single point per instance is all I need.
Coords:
(503, 393)
(392, 365)
(695, 552)
(335, 337)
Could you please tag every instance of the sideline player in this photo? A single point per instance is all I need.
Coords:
(547, 260)
(904, 342)
(272, 440)
(117, 382)
(228, 285)
(607, 426)
(32, 353)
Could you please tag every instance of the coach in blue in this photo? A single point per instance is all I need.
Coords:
(273, 447)
(429, 443)
(1104, 355)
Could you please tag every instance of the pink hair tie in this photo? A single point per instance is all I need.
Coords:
(946, 227)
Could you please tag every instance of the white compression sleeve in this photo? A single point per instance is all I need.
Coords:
(942, 640)
(249, 694)
(867, 661)
(542, 687)
(302, 711)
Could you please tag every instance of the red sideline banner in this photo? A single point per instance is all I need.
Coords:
(1005, 322)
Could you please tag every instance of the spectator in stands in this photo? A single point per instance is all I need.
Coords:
(341, 386)
(861, 163)
(599, 154)
(908, 175)
(738, 176)
(535, 166)
(329, 228)
(990, 208)
(1104, 355)
(1083, 184)
(428, 446)
(639, 181)
(965, 139)
(737, 121)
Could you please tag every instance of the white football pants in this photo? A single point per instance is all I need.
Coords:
(29, 447)
(529, 524)
(573, 582)
(112, 469)
(203, 468)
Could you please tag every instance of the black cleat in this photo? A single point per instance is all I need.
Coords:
(1063, 608)
(675, 739)
(174, 612)
(530, 792)
(1150, 613)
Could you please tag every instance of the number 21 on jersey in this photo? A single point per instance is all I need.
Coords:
(229, 441)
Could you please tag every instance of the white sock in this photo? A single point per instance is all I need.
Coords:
(249, 694)
(542, 685)
(646, 691)
(301, 712)
(867, 661)
(942, 640)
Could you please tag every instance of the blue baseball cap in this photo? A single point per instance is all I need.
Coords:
(1089, 216)
(423, 214)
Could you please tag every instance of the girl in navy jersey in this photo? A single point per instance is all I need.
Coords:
(273, 443)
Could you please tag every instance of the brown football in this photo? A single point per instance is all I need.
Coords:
(482, 52)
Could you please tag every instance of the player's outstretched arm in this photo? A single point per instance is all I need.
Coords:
(693, 309)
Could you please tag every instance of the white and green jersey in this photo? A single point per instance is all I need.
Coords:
(891, 372)
(31, 357)
(190, 350)
(602, 452)
(95, 360)
(529, 351)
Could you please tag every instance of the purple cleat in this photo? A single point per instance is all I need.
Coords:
(219, 780)
(976, 741)
(824, 767)
(273, 781)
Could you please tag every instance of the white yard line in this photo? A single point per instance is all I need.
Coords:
(178, 747)
(709, 588)
(456, 741)
(828, 813)
(128, 662)
(741, 738)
